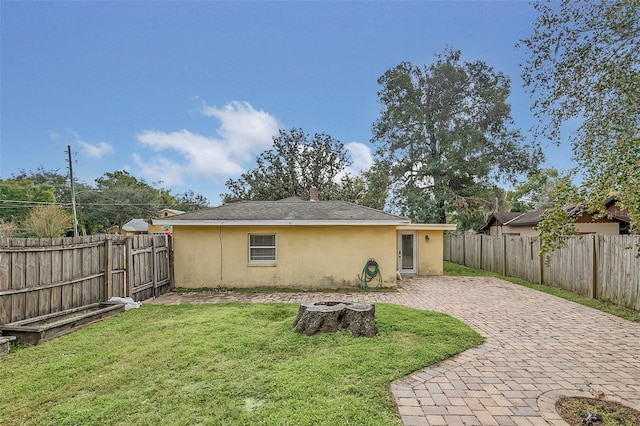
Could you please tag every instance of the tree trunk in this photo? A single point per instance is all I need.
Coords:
(329, 317)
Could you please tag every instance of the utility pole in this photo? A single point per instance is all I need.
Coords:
(73, 194)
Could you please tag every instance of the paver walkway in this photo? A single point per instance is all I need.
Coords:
(537, 348)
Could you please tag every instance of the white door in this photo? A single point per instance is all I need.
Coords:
(407, 251)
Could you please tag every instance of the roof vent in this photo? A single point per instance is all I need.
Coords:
(313, 194)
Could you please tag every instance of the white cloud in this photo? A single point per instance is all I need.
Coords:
(360, 155)
(243, 133)
(248, 130)
(361, 158)
(97, 150)
(92, 150)
(160, 169)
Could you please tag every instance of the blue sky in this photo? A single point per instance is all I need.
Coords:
(189, 93)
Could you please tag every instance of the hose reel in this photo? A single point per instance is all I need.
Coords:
(369, 272)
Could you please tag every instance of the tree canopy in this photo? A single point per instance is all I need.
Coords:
(536, 192)
(19, 195)
(583, 67)
(446, 135)
(115, 198)
(296, 163)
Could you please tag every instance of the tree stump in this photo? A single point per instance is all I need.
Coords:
(329, 317)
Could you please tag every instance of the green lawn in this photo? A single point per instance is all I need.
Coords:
(454, 269)
(222, 364)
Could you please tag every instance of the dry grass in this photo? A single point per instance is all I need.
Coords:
(574, 411)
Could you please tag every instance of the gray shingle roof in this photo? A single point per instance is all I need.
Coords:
(500, 217)
(136, 225)
(526, 219)
(289, 209)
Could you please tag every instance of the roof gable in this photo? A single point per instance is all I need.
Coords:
(498, 218)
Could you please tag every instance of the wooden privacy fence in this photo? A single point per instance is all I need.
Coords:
(604, 267)
(39, 276)
(148, 266)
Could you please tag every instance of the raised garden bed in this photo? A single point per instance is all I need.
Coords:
(46, 327)
(5, 344)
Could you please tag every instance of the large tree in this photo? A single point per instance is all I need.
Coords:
(298, 162)
(117, 198)
(56, 180)
(536, 192)
(19, 194)
(445, 133)
(187, 201)
(583, 67)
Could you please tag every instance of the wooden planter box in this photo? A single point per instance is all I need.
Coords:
(46, 327)
(5, 344)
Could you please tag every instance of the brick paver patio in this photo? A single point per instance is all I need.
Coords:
(537, 348)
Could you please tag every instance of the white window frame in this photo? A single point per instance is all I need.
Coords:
(274, 247)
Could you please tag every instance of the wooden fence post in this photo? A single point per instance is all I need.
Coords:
(594, 267)
(172, 278)
(541, 265)
(464, 249)
(154, 269)
(504, 254)
(108, 268)
(129, 267)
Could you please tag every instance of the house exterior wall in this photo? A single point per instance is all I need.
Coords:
(496, 229)
(523, 231)
(306, 257)
(430, 253)
(605, 228)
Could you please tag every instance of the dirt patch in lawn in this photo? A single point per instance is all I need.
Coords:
(596, 412)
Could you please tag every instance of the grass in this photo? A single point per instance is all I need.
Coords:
(222, 364)
(575, 410)
(454, 269)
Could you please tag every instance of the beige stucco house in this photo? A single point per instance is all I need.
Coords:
(299, 244)
(164, 229)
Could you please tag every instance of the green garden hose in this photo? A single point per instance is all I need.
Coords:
(369, 272)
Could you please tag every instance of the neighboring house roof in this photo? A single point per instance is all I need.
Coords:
(136, 225)
(289, 211)
(172, 211)
(526, 219)
(500, 218)
(533, 217)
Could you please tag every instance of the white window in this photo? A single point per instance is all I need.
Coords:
(262, 248)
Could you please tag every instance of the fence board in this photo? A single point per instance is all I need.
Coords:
(32, 275)
(618, 277)
(571, 267)
(18, 272)
(56, 275)
(45, 277)
(493, 253)
(119, 265)
(5, 281)
(472, 250)
(522, 258)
